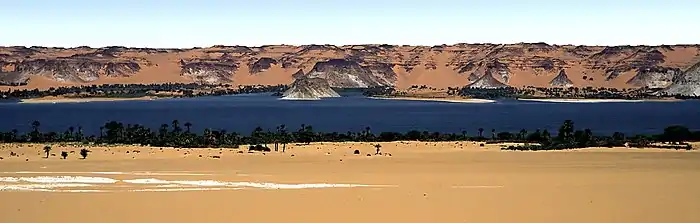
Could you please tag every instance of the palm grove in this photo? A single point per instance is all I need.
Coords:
(176, 134)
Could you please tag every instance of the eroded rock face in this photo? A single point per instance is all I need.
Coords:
(13, 78)
(342, 73)
(655, 77)
(522, 64)
(561, 80)
(209, 72)
(487, 81)
(261, 65)
(69, 70)
(309, 88)
(688, 84)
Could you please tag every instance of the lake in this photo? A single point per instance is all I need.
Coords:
(242, 113)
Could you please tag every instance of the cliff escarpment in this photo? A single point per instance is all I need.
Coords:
(353, 66)
(687, 84)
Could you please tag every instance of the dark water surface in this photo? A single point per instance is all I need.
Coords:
(242, 113)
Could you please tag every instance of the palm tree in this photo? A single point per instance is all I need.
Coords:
(368, 133)
(15, 132)
(35, 125)
(284, 137)
(188, 125)
(47, 150)
(277, 137)
(176, 126)
(80, 133)
(523, 134)
(35, 135)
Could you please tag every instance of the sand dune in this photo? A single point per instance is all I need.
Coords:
(325, 182)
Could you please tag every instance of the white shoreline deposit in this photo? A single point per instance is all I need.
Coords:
(450, 100)
(50, 183)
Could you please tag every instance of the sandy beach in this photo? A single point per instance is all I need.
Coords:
(51, 99)
(325, 182)
(450, 100)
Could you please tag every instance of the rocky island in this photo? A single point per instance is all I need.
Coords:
(309, 88)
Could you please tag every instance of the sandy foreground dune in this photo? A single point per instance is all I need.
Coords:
(419, 182)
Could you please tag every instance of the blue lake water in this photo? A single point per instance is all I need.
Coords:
(242, 113)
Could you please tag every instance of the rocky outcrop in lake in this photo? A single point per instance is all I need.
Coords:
(342, 73)
(309, 89)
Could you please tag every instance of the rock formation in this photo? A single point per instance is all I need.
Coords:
(209, 72)
(487, 81)
(262, 65)
(654, 77)
(342, 73)
(561, 80)
(309, 88)
(13, 78)
(68, 69)
(351, 66)
(688, 84)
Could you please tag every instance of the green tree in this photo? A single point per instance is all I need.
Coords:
(676, 134)
(566, 131)
(84, 153)
(35, 135)
(546, 137)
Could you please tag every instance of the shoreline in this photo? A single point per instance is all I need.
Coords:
(54, 100)
(450, 100)
(567, 100)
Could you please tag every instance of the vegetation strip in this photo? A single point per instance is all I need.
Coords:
(174, 135)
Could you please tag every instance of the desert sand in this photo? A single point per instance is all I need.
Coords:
(451, 100)
(410, 182)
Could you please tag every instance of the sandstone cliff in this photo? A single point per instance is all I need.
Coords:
(309, 88)
(352, 66)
